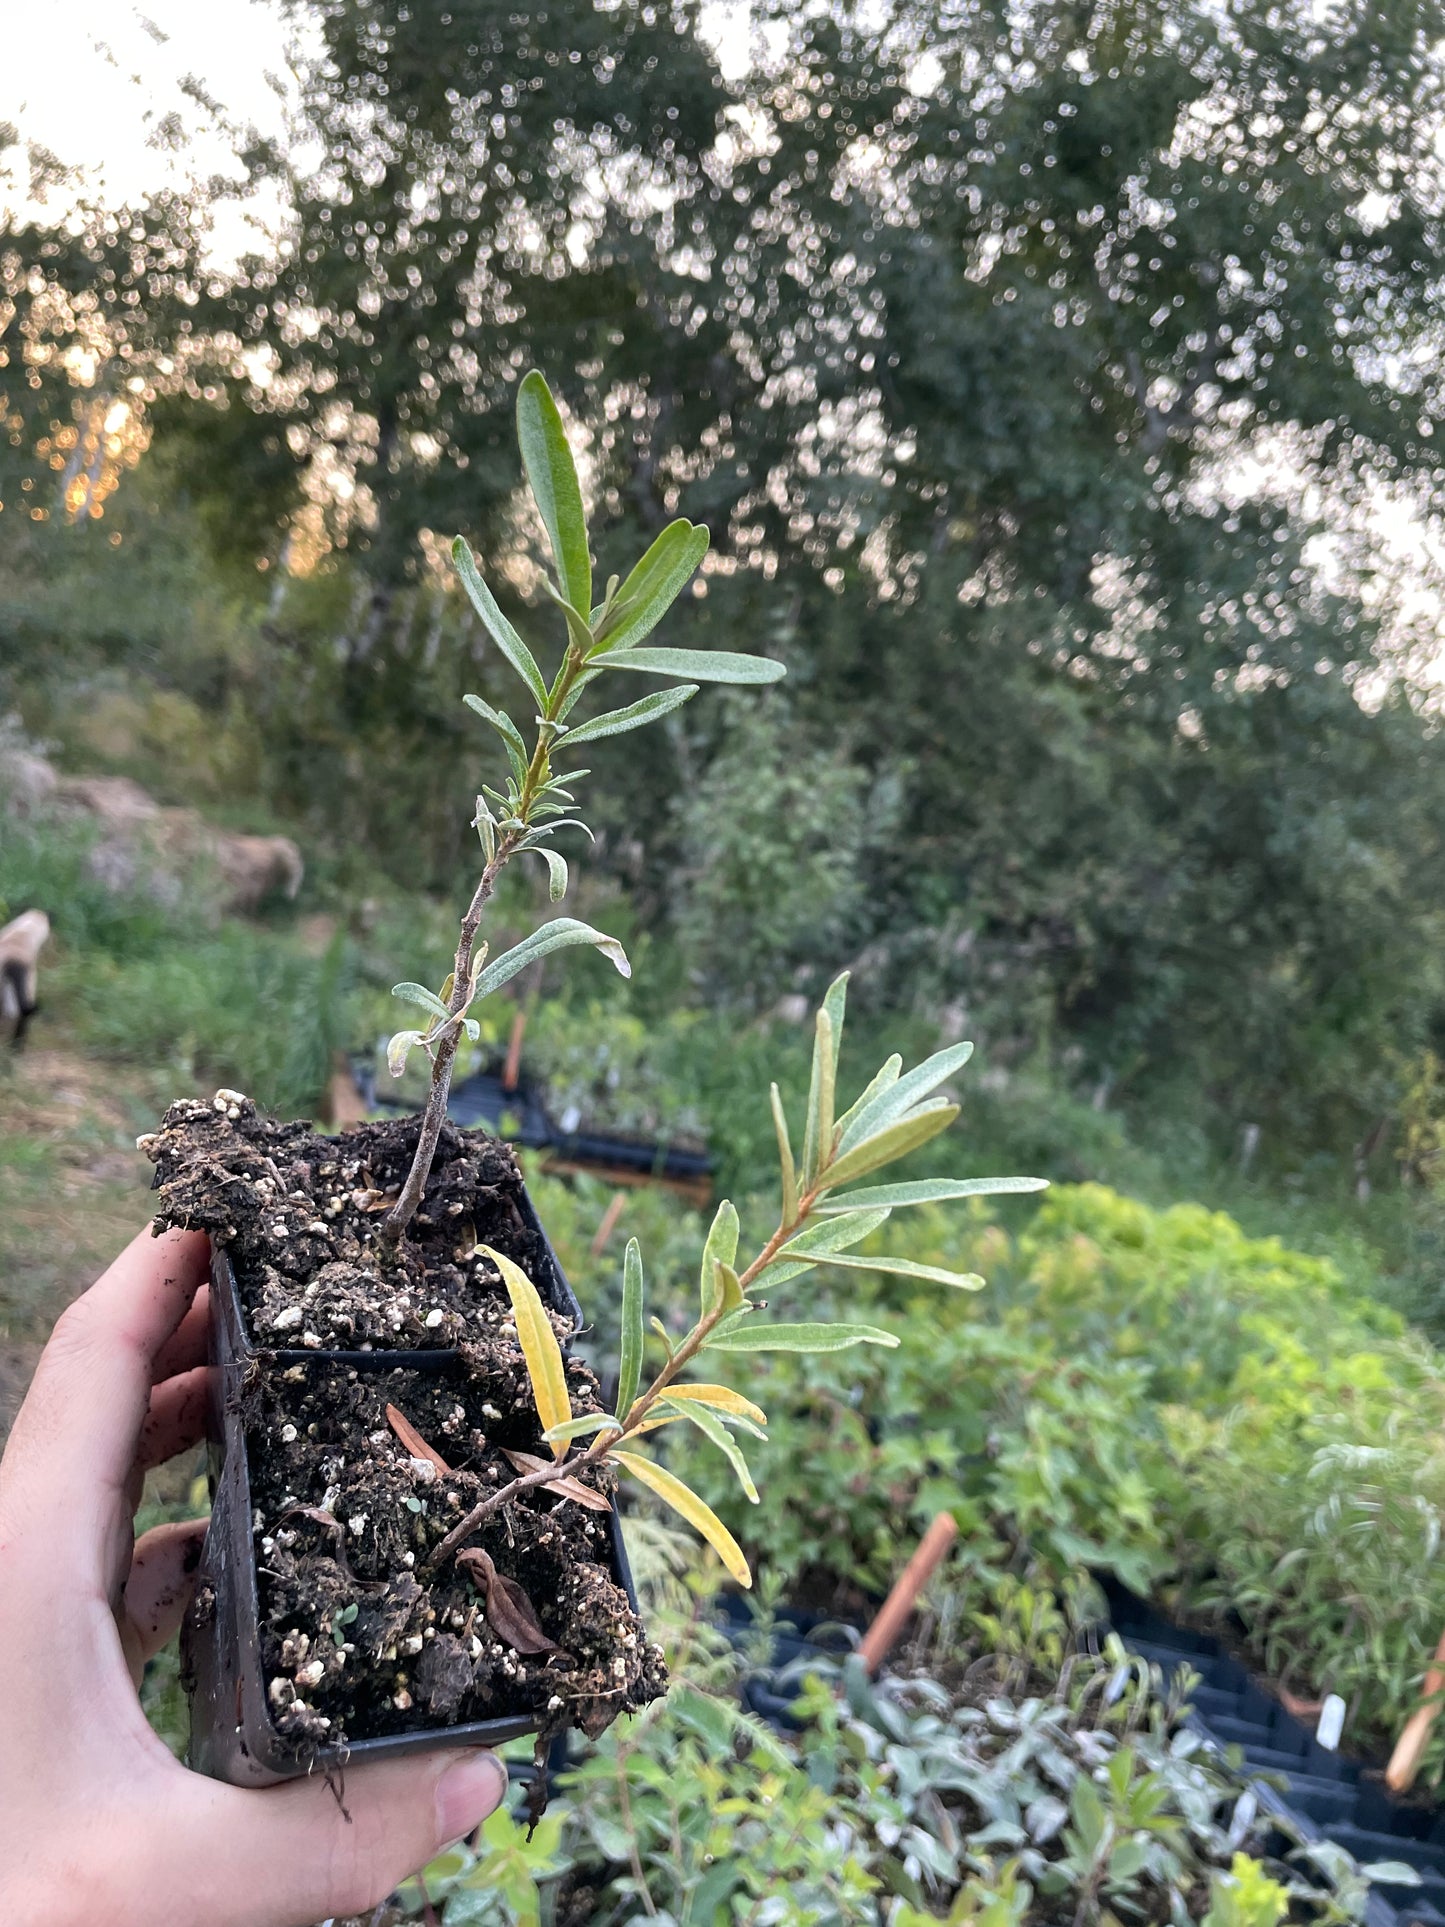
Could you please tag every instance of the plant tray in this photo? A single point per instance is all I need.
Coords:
(233, 1736)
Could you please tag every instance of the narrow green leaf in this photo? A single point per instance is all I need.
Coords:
(885, 1078)
(927, 1191)
(629, 1368)
(655, 584)
(896, 1141)
(581, 1428)
(732, 1289)
(485, 825)
(399, 1049)
(835, 1001)
(685, 1501)
(904, 1094)
(818, 1131)
(557, 935)
(908, 1268)
(552, 476)
(617, 721)
(540, 1350)
(501, 722)
(579, 683)
(556, 874)
(785, 1160)
(713, 1428)
(578, 629)
(818, 1242)
(721, 1249)
(697, 665)
(497, 625)
(754, 1336)
(420, 995)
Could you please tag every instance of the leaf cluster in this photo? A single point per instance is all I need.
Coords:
(824, 1216)
(905, 1804)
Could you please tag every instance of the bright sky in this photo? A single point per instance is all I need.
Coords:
(93, 80)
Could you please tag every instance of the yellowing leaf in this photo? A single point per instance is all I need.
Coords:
(689, 1506)
(540, 1349)
(723, 1397)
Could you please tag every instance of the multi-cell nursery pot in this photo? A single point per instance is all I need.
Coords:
(346, 1442)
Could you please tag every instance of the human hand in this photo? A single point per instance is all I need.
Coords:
(98, 1821)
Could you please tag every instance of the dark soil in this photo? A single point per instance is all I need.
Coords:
(300, 1214)
(360, 1636)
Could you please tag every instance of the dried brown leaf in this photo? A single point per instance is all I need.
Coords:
(415, 1444)
(510, 1613)
(567, 1488)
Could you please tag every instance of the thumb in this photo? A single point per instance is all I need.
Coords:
(287, 1855)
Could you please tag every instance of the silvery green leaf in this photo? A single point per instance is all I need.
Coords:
(578, 627)
(629, 1369)
(755, 1336)
(500, 721)
(399, 1049)
(713, 1428)
(419, 994)
(696, 665)
(907, 1268)
(561, 933)
(485, 825)
(785, 1159)
(472, 1028)
(887, 1076)
(721, 1249)
(818, 1127)
(818, 1243)
(928, 1191)
(579, 683)
(892, 1142)
(552, 476)
(617, 721)
(556, 874)
(581, 1428)
(901, 1096)
(497, 625)
(655, 584)
(835, 1002)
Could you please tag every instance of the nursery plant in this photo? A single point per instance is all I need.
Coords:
(417, 1493)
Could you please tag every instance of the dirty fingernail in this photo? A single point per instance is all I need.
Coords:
(470, 1789)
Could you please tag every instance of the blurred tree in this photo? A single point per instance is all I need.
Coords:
(1038, 370)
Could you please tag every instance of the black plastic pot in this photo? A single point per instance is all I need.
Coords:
(233, 1737)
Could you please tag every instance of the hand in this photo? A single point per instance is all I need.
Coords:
(98, 1822)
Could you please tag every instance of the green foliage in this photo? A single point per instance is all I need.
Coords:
(902, 1804)
(1150, 1393)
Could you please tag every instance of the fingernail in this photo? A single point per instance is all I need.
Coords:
(470, 1789)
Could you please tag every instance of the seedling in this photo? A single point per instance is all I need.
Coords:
(823, 1217)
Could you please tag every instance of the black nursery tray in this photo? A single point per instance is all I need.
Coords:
(1326, 1794)
(233, 1736)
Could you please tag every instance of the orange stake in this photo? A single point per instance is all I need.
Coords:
(1405, 1760)
(512, 1068)
(882, 1635)
(609, 1222)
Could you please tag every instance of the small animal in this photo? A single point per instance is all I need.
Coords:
(21, 942)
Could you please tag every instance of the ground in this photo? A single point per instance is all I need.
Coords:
(73, 1191)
